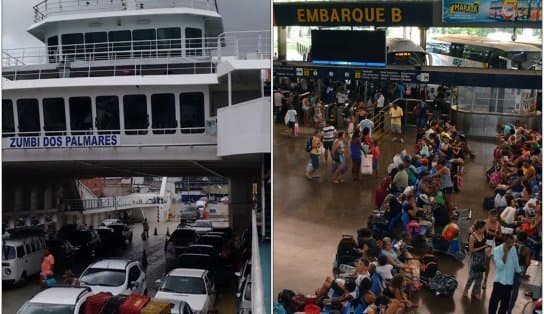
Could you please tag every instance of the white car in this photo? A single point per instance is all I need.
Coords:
(201, 226)
(243, 298)
(58, 300)
(192, 286)
(117, 276)
(111, 221)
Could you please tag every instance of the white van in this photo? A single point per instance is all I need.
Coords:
(21, 258)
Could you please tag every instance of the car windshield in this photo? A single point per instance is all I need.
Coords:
(103, 277)
(188, 285)
(8, 252)
(46, 308)
(205, 224)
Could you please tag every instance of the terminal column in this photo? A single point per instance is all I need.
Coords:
(240, 202)
(282, 43)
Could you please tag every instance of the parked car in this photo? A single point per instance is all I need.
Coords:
(64, 252)
(88, 240)
(201, 226)
(21, 258)
(189, 213)
(182, 238)
(181, 308)
(243, 298)
(243, 274)
(58, 300)
(193, 286)
(116, 235)
(117, 276)
(200, 249)
(111, 221)
(217, 242)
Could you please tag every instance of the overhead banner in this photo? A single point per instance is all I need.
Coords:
(366, 13)
(518, 12)
(65, 141)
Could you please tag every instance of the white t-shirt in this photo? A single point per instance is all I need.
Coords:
(385, 271)
(380, 102)
(277, 99)
(292, 115)
(360, 278)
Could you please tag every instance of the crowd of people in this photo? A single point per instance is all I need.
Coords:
(417, 193)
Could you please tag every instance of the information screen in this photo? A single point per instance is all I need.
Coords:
(363, 48)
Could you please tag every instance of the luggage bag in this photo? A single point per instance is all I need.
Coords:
(156, 307)
(133, 304)
(95, 303)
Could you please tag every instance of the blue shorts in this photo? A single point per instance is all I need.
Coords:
(291, 124)
(327, 145)
(315, 161)
(447, 190)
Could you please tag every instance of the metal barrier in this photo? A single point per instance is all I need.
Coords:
(55, 7)
(112, 202)
(257, 299)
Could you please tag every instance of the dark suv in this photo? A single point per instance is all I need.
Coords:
(182, 238)
(88, 240)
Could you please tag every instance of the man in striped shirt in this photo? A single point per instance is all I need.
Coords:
(328, 133)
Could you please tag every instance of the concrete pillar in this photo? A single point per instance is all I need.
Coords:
(19, 199)
(48, 197)
(282, 43)
(240, 202)
(423, 37)
(34, 197)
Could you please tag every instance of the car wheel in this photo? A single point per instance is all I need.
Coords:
(23, 278)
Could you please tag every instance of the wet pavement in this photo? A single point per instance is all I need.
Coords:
(14, 297)
(311, 216)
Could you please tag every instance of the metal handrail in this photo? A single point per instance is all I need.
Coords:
(257, 295)
(54, 7)
(110, 202)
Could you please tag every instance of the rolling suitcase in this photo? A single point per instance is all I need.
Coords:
(133, 304)
(113, 304)
(95, 303)
(156, 307)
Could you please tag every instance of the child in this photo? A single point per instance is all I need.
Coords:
(375, 157)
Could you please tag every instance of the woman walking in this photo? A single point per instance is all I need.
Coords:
(339, 158)
(355, 154)
(476, 246)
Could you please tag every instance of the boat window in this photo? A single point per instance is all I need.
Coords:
(192, 112)
(54, 116)
(107, 114)
(476, 53)
(120, 44)
(135, 111)
(163, 113)
(169, 40)
(53, 49)
(144, 42)
(96, 46)
(28, 116)
(81, 117)
(456, 50)
(72, 46)
(193, 41)
(8, 122)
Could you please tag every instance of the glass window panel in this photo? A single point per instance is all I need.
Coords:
(169, 41)
(80, 115)
(135, 111)
(8, 121)
(144, 42)
(53, 49)
(163, 113)
(120, 41)
(192, 112)
(193, 41)
(72, 46)
(28, 116)
(107, 114)
(96, 45)
(54, 116)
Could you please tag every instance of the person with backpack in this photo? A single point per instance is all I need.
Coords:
(524, 255)
(476, 247)
(313, 147)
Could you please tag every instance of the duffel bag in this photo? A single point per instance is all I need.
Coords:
(442, 284)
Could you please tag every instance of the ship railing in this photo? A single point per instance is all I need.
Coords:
(56, 7)
(244, 44)
(112, 202)
(126, 131)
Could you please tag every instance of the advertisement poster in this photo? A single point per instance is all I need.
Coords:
(489, 11)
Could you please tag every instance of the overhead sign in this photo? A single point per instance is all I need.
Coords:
(492, 11)
(66, 141)
(352, 73)
(366, 13)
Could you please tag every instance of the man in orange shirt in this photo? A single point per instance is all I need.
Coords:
(48, 262)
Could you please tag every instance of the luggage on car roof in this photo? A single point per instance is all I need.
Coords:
(113, 304)
(156, 307)
(95, 303)
(133, 304)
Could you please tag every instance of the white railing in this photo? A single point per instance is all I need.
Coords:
(119, 202)
(257, 296)
(56, 7)
(127, 132)
(135, 57)
(245, 44)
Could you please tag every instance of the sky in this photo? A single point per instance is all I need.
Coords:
(17, 16)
